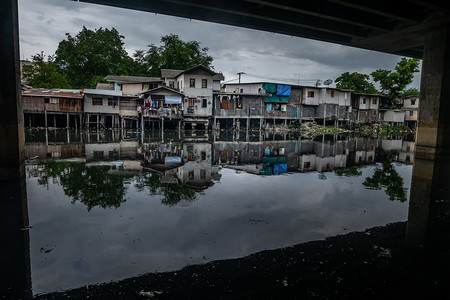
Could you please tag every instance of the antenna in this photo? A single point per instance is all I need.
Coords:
(240, 73)
(318, 82)
(328, 82)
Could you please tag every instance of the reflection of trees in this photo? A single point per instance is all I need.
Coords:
(388, 178)
(95, 186)
(172, 193)
(349, 172)
(92, 186)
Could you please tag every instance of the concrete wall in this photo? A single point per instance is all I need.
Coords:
(393, 116)
(249, 88)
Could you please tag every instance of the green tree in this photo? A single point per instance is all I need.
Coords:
(173, 53)
(393, 83)
(85, 59)
(357, 82)
(44, 74)
(411, 92)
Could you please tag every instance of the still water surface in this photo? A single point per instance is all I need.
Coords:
(105, 207)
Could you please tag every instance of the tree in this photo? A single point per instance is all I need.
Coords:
(357, 82)
(411, 92)
(88, 57)
(44, 74)
(394, 82)
(173, 54)
(387, 177)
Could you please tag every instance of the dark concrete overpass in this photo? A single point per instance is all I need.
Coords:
(397, 27)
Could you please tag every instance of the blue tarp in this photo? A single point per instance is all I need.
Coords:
(173, 99)
(283, 90)
(279, 169)
(172, 160)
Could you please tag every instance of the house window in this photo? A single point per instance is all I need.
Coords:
(204, 83)
(46, 100)
(202, 174)
(54, 100)
(364, 101)
(97, 101)
(310, 94)
(413, 101)
(411, 113)
(374, 101)
(242, 90)
(306, 165)
(112, 101)
(374, 112)
(192, 82)
(203, 155)
(191, 102)
(332, 94)
(191, 175)
(225, 105)
(204, 102)
(171, 84)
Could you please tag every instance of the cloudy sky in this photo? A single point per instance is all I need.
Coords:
(268, 56)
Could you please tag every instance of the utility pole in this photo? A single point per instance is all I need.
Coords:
(240, 73)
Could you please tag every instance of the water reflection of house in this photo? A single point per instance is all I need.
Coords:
(273, 157)
(406, 155)
(188, 164)
(52, 108)
(366, 107)
(61, 151)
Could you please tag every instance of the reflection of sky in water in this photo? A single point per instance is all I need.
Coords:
(239, 215)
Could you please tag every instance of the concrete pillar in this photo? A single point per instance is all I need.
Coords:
(12, 138)
(432, 137)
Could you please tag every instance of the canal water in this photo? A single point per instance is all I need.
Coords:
(113, 205)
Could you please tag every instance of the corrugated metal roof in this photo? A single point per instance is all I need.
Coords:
(105, 86)
(131, 79)
(103, 92)
(62, 93)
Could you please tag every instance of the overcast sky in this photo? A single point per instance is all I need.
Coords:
(43, 25)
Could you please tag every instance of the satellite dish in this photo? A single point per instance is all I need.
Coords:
(328, 82)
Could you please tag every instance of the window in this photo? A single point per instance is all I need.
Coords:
(204, 102)
(54, 100)
(364, 101)
(171, 84)
(191, 175)
(202, 174)
(192, 82)
(46, 100)
(374, 112)
(306, 165)
(374, 101)
(413, 101)
(204, 83)
(332, 94)
(191, 102)
(310, 94)
(97, 101)
(411, 113)
(225, 105)
(112, 101)
(203, 153)
(242, 90)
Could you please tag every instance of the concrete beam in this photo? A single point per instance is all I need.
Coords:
(434, 108)
(11, 116)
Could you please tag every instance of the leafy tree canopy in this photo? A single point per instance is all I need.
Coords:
(411, 92)
(85, 59)
(394, 82)
(357, 82)
(173, 53)
(44, 74)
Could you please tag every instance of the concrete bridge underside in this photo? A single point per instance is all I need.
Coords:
(411, 28)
